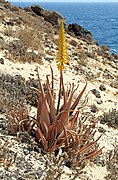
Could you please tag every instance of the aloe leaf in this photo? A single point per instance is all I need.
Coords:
(65, 135)
(67, 107)
(63, 89)
(52, 130)
(59, 96)
(59, 125)
(39, 135)
(89, 129)
(39, 107)
(73, 121)
(53, 133)
(53, 147)
(51, 102)
(52, 144)
(53, 139)
(11, 124)
(68, 91)
(78, 99)
(76, 143)
(42, 96)
(44, 117)
(46, 130)
(64, 117)
(89, 145)
(93, 153)
(71, 143)
(60, 142)
(52, 88)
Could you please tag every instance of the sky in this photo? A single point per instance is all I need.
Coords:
(63, 0)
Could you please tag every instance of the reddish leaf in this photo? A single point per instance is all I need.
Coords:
(73, 121)
(52, 88)
(88, 146)
(44, 104)
(39, 136)
(51, 102)
(93, 153)
(78, 99)
(64, 117)
(63, 89)
(44, 117)
(39, 108)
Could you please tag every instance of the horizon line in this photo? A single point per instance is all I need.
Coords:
(64, 1)
(59, 2)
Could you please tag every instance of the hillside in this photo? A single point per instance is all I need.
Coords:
(29, 38)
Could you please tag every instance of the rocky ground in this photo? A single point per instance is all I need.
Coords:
(29, 38)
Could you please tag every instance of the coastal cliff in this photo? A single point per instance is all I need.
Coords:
(29, 38)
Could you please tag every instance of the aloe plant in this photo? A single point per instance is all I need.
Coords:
(55, 125)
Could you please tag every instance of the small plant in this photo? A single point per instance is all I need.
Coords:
(56, 126)
(110, 118)
(5, 159)
(112, 163)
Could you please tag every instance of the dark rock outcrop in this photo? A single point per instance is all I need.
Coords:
(79, 31)
(50, 16)
(2, 1)
(37, 10)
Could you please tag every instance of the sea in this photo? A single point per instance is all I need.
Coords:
(99, 18)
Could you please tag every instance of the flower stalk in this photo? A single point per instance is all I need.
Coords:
(62, 53)
(61, 57)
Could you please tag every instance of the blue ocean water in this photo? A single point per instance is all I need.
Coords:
(100, 18)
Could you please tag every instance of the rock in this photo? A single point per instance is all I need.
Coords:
(49, 59)
(96, 93)
(37, 9)
(115, 56)
(102, 87)
(89, 74)
(28, 9)
(114, 84)
(1, 9)
(1, 61)
(10, 23)
(99, 101)
(101, 130)
(105, 48)
(79, 31)
(94, 108)
(73, 43)
(50, 16)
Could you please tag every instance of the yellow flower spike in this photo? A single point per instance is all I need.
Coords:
(62, 53)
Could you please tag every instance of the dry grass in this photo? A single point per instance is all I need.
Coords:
(25, 41)
(5, 159)
(30, 38)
